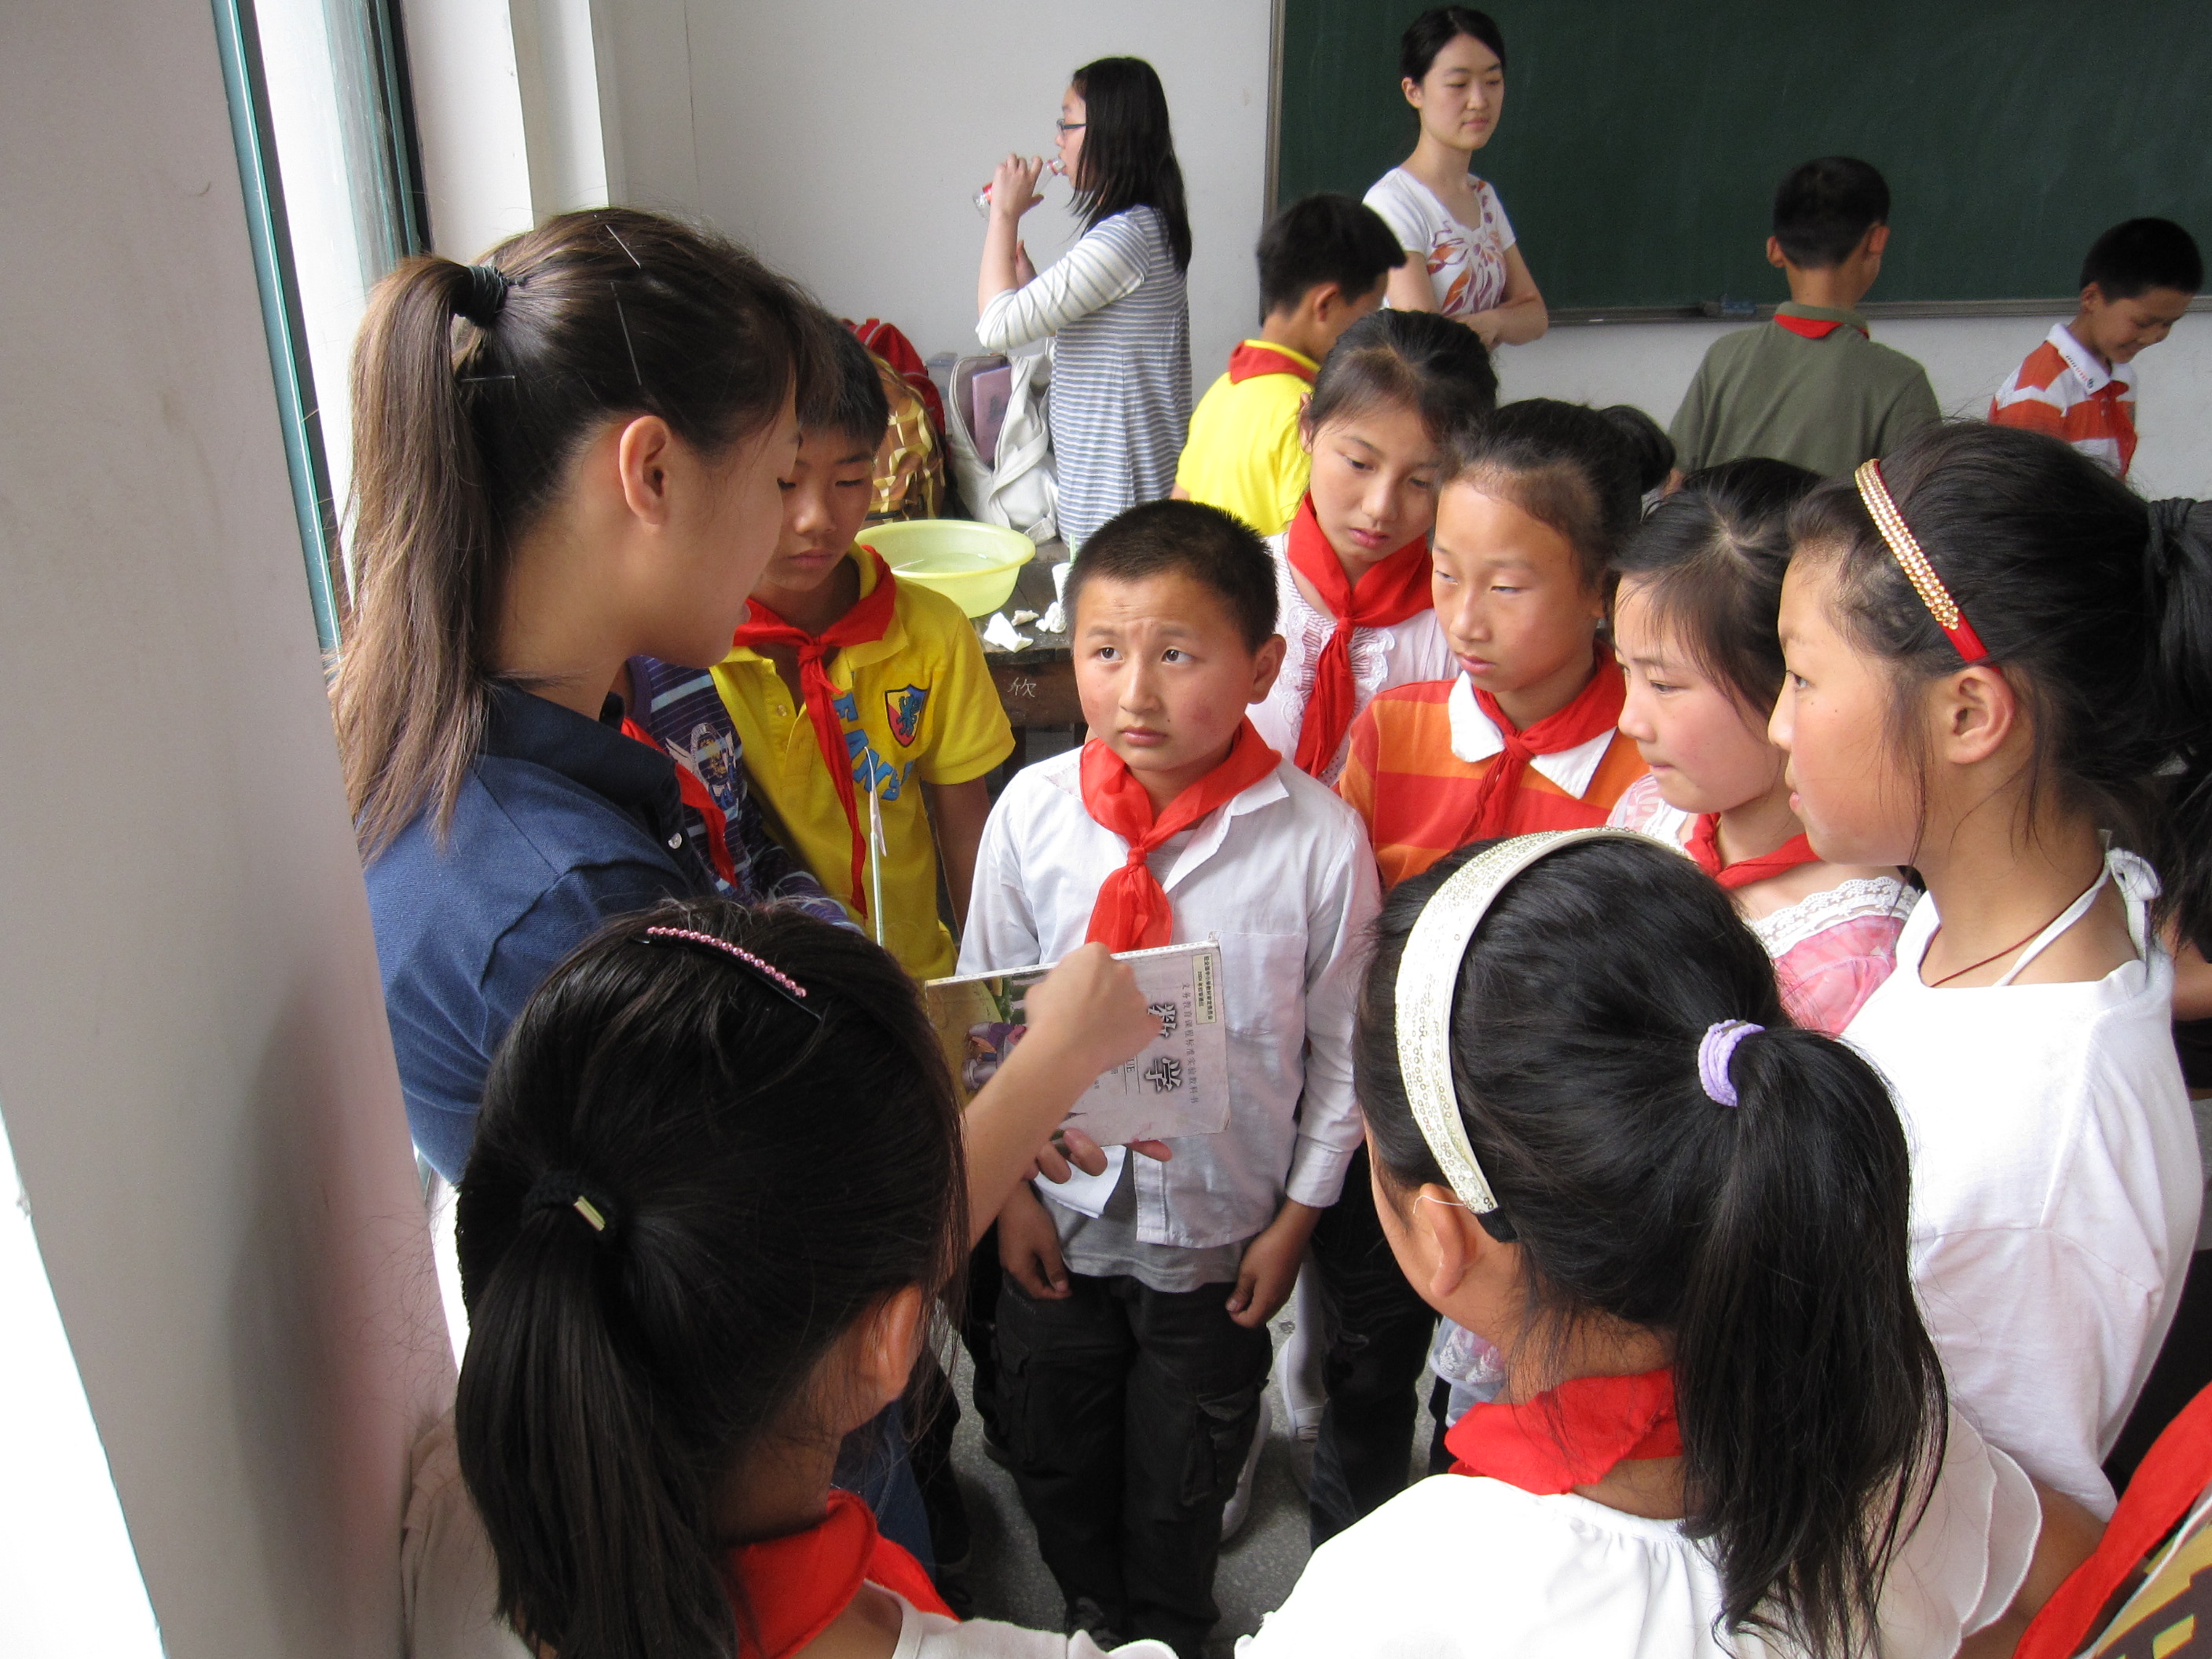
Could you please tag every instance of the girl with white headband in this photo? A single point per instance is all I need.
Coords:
(2000, 674)
(1599, 1144)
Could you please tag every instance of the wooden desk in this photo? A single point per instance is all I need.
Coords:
(1037, 684)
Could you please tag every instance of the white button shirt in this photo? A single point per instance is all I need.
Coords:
(1282, 877)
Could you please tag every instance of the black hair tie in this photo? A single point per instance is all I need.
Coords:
(486, 295)
(564, 1189)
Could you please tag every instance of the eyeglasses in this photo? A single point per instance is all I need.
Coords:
(1066, 127)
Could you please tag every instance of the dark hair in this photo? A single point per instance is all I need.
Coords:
(1128, 157)
(615, 1379)
(2096, 606)
(1824, 208)
(1216, 549)
(1581, 471)
(1437, 28)
(473, 387)
(1416, 360)
(2142, 254)
(1714, 553)
(1767, 1242)
(849, 397)
(1324, 238)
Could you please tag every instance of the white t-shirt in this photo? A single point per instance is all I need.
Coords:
(1414, 649)
(2055, 1187)
(1465, 263)
(1460, 1564)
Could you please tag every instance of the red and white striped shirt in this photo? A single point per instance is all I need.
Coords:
(2062, 389)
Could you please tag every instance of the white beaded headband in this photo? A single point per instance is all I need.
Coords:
(1428, 973)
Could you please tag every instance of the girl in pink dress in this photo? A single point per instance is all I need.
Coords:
(1693, 623)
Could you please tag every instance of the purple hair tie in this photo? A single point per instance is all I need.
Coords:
(792, 991)
(1715, 1050)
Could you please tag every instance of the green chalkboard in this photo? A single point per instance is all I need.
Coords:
(1641, 142)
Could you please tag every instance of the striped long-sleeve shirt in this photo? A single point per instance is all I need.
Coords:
(2064, 390)
(1116, 308)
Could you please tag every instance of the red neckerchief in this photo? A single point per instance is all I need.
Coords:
(693, 791)
(795, 1586)
(1570, 1435)
(1595, 710)
(1131, 911)
(1253, 358)
(1704, 846)
(1815, 328)
(1389, 591)
(862, 625)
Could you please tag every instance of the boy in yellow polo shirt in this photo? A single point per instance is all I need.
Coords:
(838, 657)
(1323, 263)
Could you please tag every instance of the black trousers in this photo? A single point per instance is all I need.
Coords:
(1379, 1332)
(1129, 1412)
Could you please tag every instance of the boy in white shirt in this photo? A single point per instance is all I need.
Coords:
(1132, 1340)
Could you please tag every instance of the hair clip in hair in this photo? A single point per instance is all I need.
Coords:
(564, 1189)
(1922, 575)
(769, 974)
(1715, 1050)
(1428, 974)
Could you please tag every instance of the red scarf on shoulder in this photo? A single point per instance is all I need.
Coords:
(1253, 358)
(1595, 709)
(1704, 846)
(1390, 590)
(1132, 912)
(863, 624)
(692, 789)
(1570, 1435)
(795, 1586)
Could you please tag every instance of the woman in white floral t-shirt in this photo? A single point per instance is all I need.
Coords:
(1465, 263)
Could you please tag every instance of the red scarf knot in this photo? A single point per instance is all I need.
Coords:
(1390, 590)
(795, 1586)
(1570, 1435)
(1253, 358)
(863, 624)
(1132, 912)
(1595, 710)
(1704, 846)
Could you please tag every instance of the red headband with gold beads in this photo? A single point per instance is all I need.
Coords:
(1918, 571)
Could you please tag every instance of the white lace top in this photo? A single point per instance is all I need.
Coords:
(1401, 654)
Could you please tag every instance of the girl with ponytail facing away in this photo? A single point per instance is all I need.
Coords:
(1599, 1144)
(718, 1183)
(2000, 674)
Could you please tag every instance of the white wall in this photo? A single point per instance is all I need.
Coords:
(843, 143)
(196, 1076)
(1649, 364)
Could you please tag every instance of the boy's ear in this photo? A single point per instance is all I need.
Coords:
(1775, 256)
(2093, 297)
(1322, 300)
(1875, 240)
(1267, 664)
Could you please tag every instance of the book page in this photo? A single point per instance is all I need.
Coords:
(1177, 1085)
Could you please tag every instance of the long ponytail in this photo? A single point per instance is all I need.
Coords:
(474, 386)
(1765, 1241)
(655, 1259)
(2096, 604)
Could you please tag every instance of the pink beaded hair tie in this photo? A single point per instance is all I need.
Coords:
(782, 983)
